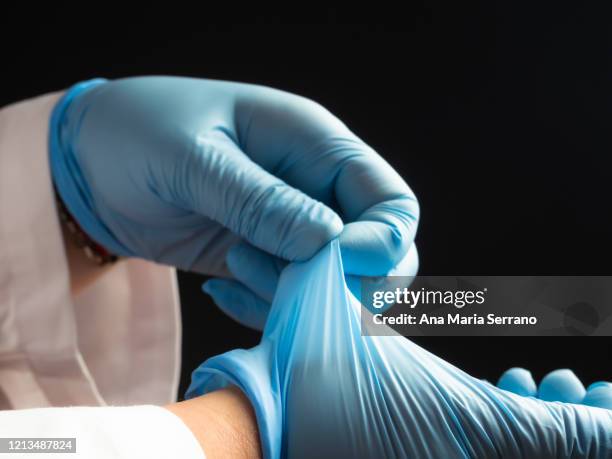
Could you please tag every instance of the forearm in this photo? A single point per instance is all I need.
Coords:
(223, 422)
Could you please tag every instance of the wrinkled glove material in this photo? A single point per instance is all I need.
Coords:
(321, 389)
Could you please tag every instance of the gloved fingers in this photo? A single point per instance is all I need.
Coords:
(255, 269)
(599, 394)
(382, 215)
(205, 250)
(260, 271)
(519, 381)
(221, 182)
(561, 386)
(407, 267)
(238, 302)
(288, 135)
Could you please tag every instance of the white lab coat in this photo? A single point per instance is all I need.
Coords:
(116, 343)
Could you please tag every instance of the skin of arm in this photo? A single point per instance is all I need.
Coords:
(223, 422)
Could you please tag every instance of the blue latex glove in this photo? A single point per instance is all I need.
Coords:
(177, 170)
(321, 389)
(248, 296)
(557, 386)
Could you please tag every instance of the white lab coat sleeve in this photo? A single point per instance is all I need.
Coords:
(117, 343)
(147, 432)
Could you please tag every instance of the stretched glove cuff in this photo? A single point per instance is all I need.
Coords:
(251, 372)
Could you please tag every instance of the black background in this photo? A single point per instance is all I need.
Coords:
(498, 117)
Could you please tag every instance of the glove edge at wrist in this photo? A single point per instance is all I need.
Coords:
(247, 370)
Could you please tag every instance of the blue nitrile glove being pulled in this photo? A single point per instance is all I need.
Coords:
(320, 389)
(177, 170)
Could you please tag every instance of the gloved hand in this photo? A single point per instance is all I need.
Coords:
(177, 170)
(321, 389)
(557, 386)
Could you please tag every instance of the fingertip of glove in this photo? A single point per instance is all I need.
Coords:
(371, 248)
(519, 381)
(597, 384)
(211, 286)
(326, 229)
(561, 386)
(322, 225)
(599, 394)
(235, 256)
(206, 288)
